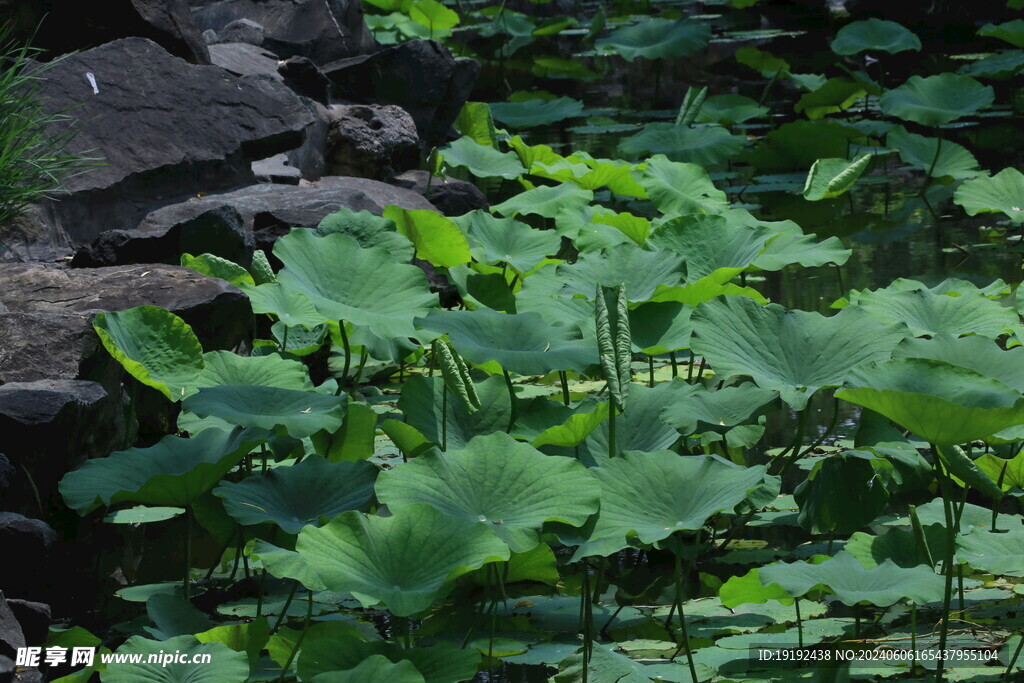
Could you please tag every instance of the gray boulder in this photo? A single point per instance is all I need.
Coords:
(165, 130)
(242, 59)
(322, 30)
(163, 236)
(61, 26)
(34, 618)
(242, 31)
(58, 345)
(451, 196)
(218, 313)
(371, 141)
(420, 76)
(26, 546)
(11, 635)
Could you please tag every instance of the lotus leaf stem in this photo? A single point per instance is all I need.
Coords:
(284, 610)
(947, 563)
(1013, 659)
(682, 617)
(512, 400)
(563, 378)
(302, 636)
(186, 583)
(348, 356)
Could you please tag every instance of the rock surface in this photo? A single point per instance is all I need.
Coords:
(451, 196)
(61, 26)
(241, 59)
(34, 618)
(165, 129)
(371, 141)
(11, 636)
(45, 344)
(322, 30)
(164, 236)
(420, 76)
(218, 313)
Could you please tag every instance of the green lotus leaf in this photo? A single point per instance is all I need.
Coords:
(1001, 192)
(521, 343)
(421, 402)
(301, 494)
(1000, 66)
(575, 428)
(655, 38)
(952, 160)
(173, 616)
(434, 15)
(795, 146)
(483, 161)
(475, 122)
(936, 100)
(943, 404)
(504, 240)
(291, 308)
(374, 668)
(507, 487)
(173, 472)
(705, 145)
(884, 585)
(830, 178)
(835, 95)
(224, 665)
(843, 493)
(368, 230)
(653, 495)
(1010, 31)
(298, 413)
(216, 266)
(249, 638)
(286, 564)
(640, 270)
(726, 407)
(438, 663)
(606, 665)
(641, 427)
(536, 112)
(545, 201)
(155, 347)
(224, 367)
(1010, 472)
(997, 553)
(372, 289)
(927, 313)
(729, 110)
(898, 546)
(793, 352)
(875, 35)
(982, 355)
(676, 188)
(711, 244)
(436, 238)
(636, 228)
(142, 514)
(660, 327)
(406, 561)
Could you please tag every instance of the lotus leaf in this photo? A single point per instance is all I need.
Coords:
(711, 244)
(793, 352)
(173, 472)
(421, 402)
(436, 238)
(722, 408)
(996, 553)
(730, 109)
(660, 327)
(215, 266)
(874, 35)
(368, 230)
(654, 38)
(224, 666)
(939, 157)
(483, 161)
(224, 367)
(406, 561)
(927, 313)
(498, 483)
(706, 145)
(1000, 66)
(641, 272)
(298, 413)
(374, 668)
(830, 178)
(1001, 192)
(936, 100)
(475, 122)
(440, 663)
(640, 428)
(521, 343)
(373, 288)
(1010, 472)
(677, 188)
(835, 95)
(899, 546)
(505, 240)
(545, 201)
(747, 588)
(883, 585)
(155, 347)
(536, 112)
(982, 355)
(943, 404)
(295, 496)
(798, 144)
(1010, 31)
(653, 495)
(843, 493)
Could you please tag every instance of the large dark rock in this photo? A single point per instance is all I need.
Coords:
(45, 344)
(322, 30)
(61, 26)
(11, 635)
(164, 236)
(371, 141)
(451, 196)
(218, 313)
(310, 156)
(305, 78)
(241, 59)
(272, 210)
(34, 618)
(165, 130)
(419, 76)
(7, 473)
(26, 545)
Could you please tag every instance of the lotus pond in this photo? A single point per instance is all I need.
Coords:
(738, 371)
